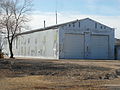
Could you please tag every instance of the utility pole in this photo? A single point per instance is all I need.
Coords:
(44, 23)
(56, 13)
(56, 17)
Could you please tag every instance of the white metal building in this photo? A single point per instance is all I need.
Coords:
(79, 39)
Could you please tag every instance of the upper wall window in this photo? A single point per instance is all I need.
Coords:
(69, 25)
(95, 25)
(73, 24)
(104, 27)
(79, 24)
(101, 27)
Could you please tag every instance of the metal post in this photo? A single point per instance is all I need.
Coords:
(44, 23)
(56, 17)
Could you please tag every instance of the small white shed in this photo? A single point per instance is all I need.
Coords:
(79, 39)
(117, 49)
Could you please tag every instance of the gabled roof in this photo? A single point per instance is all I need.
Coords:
(55, 26)
(49, 27)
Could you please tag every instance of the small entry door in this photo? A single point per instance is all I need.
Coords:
(87, 45)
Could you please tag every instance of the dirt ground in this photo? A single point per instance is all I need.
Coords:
(38, 74)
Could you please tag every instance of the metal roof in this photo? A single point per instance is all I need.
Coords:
(54, 27)
(49, 27)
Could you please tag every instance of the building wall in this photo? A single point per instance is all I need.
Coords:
(42, 44)
(2, 42)
(87, 28)
(117, 52)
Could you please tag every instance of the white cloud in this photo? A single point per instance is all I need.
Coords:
(103, 8)
(39, 17)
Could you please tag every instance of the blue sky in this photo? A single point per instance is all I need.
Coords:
(104, 11)
(91, 7)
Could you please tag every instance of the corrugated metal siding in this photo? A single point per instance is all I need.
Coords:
(40, 44)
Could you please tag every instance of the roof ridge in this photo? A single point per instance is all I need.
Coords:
(49, 27)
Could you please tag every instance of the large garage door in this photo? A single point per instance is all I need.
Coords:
(74, 46)
(99, 47)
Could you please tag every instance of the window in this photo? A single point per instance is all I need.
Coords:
(79, 24)
(104, 27)
(101, 27)
(69, 25)
(73, 24)
(95, 25)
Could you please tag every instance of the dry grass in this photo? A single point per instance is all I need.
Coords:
(24, 83)
(53, 83)
(58, 75)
